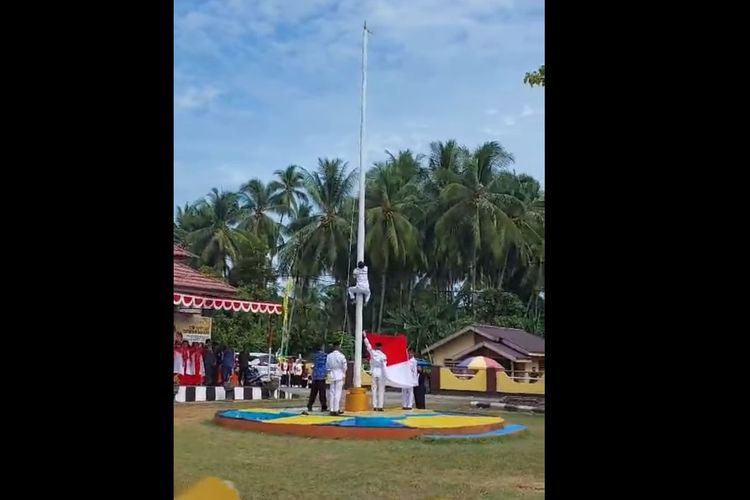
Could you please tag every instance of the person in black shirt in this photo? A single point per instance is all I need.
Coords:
(209, 363)
(244, 364)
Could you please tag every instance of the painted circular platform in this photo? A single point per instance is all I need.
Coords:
(389, 424)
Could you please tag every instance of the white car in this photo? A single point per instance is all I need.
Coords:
(265, 366)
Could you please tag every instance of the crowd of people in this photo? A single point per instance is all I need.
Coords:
(295, 372)
(205, 364)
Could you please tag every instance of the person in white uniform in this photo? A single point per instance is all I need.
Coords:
(363, 285)
(336, 368)
(407, 393)
(378, 362)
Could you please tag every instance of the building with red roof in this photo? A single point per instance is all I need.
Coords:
(193, 289)
(190, 281)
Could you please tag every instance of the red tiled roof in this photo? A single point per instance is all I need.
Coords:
(188, 280)
(181, 253)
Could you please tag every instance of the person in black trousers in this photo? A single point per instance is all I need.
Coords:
(209, 363)
(244, 366)
(318, 387)
(419, 391)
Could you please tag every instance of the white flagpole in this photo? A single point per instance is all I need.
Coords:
(357, 375)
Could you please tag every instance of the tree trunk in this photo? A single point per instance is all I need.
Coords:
(502, 271)
(291, 313)
(278, 235)
(473, 282)
(382, 298)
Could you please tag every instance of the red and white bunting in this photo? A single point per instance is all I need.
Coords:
(181, 299)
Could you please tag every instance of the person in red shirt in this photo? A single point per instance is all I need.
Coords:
(178, 364)
(184, 352)
(199, 371)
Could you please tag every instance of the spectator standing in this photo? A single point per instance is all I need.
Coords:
(285, 372)
(297, 380)
(209, 362)
(178, 363)
(227, 364)
(244, 366)
(318, 387)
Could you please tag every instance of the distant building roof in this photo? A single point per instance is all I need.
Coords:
(513, 342)
(181, 253)
(517, 339)
(190, 281)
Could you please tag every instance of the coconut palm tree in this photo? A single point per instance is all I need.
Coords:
(190, 217)
(474, 210)
(218, 241)
(288, 189)
(392, 203)
(257, 206)
(322, 238)
(524, 261)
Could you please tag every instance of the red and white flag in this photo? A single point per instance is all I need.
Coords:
(397, 370)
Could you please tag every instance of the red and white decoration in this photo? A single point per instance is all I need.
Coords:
(181, 299)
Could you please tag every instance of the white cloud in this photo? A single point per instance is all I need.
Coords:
(527, 111)
(196, 98)
(509, 121)
(491, 111)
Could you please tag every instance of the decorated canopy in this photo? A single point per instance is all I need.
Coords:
(194, 289)
(181, 299)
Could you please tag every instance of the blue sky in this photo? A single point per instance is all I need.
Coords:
(262, 84)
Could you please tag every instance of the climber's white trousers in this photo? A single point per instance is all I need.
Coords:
(364, 291)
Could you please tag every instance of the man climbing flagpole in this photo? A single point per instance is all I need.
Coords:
(356, 400)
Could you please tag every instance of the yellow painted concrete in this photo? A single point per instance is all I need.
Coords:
(392, 413)
(306, 420)
(366, 379)
(211, 488)
(448, 421)
(261, 410)
(477, 383)
(507, 385)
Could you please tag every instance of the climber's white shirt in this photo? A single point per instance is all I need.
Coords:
(361, 276)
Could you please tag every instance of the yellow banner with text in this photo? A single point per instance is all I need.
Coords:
(193, 327)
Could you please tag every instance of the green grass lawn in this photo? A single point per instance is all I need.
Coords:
(268, 466)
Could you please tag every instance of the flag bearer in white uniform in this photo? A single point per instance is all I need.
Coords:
(378, 362)
(336, 367)
(407, 393)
